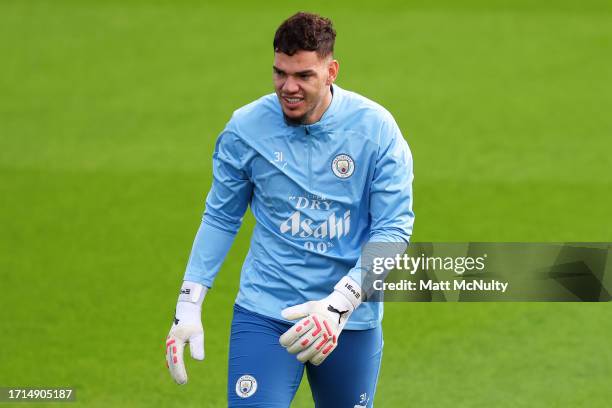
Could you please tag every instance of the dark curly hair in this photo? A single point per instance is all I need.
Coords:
(305, 31)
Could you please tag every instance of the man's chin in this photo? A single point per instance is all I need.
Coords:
(295, 118)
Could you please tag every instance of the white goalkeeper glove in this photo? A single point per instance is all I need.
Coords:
(316, 335)
(187, 328)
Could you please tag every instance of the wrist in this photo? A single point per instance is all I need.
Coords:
(350, 290)
(192, 292)
(189, 304)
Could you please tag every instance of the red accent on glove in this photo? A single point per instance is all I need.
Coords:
(325, 338)
(318, 329)
(327, 327)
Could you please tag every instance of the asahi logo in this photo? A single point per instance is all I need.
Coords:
(334, 226)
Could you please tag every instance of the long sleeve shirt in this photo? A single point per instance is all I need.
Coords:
(318, 193)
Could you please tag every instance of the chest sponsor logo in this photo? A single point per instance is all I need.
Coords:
(317, 234)
(304, 227)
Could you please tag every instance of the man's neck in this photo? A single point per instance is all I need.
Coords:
(320, 111)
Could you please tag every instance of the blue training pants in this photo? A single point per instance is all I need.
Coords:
(263, 374)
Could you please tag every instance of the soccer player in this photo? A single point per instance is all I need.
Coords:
(324, 171)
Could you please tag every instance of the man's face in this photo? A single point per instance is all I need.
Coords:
(302, 83)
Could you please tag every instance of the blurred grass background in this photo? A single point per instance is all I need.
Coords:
(108, 115)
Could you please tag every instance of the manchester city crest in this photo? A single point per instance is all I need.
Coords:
(343, 166)
(246, 386)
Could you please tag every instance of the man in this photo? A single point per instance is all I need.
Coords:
(325, 171)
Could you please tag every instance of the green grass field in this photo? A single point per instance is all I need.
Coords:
(108, 116)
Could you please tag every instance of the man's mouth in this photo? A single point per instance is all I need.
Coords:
(292, 102)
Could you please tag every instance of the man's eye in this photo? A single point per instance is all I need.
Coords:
(305, 76)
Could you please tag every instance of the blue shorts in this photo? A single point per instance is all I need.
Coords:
(263, 374)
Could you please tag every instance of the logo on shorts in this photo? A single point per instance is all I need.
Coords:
(363, 401)
(246, 386)
(343, 166)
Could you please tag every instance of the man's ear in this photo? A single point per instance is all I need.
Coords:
(332, 71)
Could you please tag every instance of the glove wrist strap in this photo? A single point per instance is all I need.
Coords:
(193, 293)
(350, 289)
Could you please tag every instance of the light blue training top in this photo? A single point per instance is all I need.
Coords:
(318, 193)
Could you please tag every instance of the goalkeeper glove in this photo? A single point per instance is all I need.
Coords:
(315, 336)
(187, 328)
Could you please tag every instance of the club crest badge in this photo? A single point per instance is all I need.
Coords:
(343, 166)
(246, 386)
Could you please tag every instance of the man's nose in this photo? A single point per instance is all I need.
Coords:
(290, 86)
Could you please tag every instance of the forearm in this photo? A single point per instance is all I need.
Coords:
(209, 250)
(380, 246)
